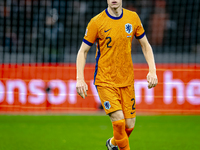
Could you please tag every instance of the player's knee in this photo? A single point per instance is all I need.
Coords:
(130, 123)
(117, 115)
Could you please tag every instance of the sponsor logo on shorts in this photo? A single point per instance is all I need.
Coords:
(107, 105)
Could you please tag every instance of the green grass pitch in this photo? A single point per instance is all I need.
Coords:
(74, 132)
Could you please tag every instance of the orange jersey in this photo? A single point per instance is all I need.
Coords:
(114, 37)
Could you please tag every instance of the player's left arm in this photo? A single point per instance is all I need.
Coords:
(148, 54)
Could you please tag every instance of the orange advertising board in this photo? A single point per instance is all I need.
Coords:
(43, 88)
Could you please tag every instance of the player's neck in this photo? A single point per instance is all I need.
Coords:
(115, 12)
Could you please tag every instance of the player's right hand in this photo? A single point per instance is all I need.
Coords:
(81, 88)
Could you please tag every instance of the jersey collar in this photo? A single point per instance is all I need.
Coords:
(112, 17)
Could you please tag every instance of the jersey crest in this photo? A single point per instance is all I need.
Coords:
(128, 28)
(107, 105)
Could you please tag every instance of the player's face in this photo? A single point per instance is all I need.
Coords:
(114, 3)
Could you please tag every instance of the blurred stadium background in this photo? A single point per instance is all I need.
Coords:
(39, 40)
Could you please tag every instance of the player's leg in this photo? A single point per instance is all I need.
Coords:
(119, 125)
(111, 102)
(128, 107)
(129, 126)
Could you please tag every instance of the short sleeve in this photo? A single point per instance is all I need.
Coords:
(91, 33)
(140, 33)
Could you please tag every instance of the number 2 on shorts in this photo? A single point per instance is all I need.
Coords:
(133, 106)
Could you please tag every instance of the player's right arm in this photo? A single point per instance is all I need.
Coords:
(88, 40)
(81, 86)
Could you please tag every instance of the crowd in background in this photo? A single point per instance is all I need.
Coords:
(51, 29)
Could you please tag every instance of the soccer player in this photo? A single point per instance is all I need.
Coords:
(113, 31)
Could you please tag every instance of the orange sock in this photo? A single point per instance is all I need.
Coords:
(120, 135)
(129, 131)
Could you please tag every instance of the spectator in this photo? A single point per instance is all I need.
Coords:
(158, 23)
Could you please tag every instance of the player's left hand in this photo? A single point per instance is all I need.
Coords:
(152, 80)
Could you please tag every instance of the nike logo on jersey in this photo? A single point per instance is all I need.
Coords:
(132, 113)
(107, 30)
